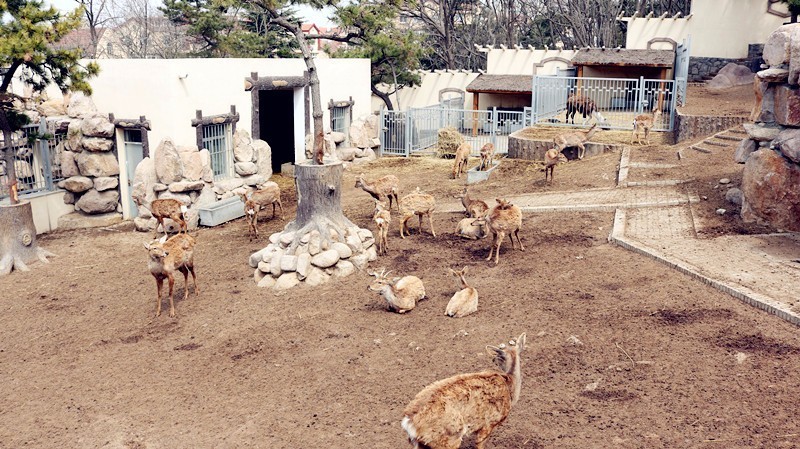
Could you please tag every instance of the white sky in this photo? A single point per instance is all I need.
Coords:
(309, 14)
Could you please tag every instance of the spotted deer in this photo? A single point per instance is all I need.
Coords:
(387, 187)
(401, 293)
(487, 156)
(465, 301)
(462, 160)
(504, 219)
(474, 208)
(382, 219)
(644, 122)
(419, 204)
(168, 256)
(165, 208)
(575, 139)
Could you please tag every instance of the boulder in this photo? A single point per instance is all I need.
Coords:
(372, 125)
(97, 144)
(104, 183)
(192, 163)
(343, 250)
(168, 162)
(769, 187)
(317, 276)
(143, 180)
(52, 108)
(97, 164)
(325, 259)
(80, 105)
(344, 268)
(225, 185)
(74, 136)
(253, 180)
(288, 262)
(734, 196)
(337, 137)
(205, 160)
(359, 135)
(346, 154)
(77, 184)
(303, 265)
(97, 126)
(245, 168)
(69, 198)
(186, 186)
(94, 202)
(158, 187)
(777, 47)
(266, 282)
(263, 157)
(761, 132)
(68, 165)
(182, 197)
(764, 106)
(746, 146)
(773, 75)
(188, 149)
(788, 142)
(786, 107)
(241, 138)
(731, 75)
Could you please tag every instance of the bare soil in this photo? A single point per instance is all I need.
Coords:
(622, 351)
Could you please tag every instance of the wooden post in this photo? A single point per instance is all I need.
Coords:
(475, 102)
(18, 240)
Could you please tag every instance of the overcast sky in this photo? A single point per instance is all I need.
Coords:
(309, 14)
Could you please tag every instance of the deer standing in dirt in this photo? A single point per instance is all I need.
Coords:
(465, 301)
(473, 208)
(268, 194)
(382, 219)
(644, 122)
(504, 219)
(575, 139)
(461, 160)
(487, 157)
(167, 257)
(165, 208)
(387, 187)
(446, 411)
(585, 105)
(551, 158)
(402, 294)
(419, 204)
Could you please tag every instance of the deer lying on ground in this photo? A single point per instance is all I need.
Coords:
(504, 219)
(468, 230)
(445, 411)
(419, 204)
(473, 208)
(268, 194)
(167, 257)
(551, 158)
(461, 160)
(465, 301)
(402, 294)
(165, 208)
(585, 105)
(381, 188)
(575, 139)
(644, 122)
(382, 219)
(487, 156)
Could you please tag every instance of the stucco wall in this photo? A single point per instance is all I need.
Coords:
(718, 28)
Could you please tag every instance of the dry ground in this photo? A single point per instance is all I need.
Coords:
(622, 351)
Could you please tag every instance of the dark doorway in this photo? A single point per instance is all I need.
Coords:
(276, 124)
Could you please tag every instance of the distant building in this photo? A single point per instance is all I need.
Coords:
(322, 48)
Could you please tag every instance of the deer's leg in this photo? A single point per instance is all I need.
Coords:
(430, 220)
(482, 435)
(159, 284)
(171, 279)
(491, 248)
(185, 272)
(194, 279)
(420, 223)
(521, 248)
(581, 151)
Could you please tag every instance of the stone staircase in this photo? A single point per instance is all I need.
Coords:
(727, 139)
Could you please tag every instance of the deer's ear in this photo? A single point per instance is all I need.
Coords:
(146, 245)
(521, 341)
(493, 351)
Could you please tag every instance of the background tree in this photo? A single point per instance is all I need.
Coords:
(794, 9)
(28, 31)
(142, 31)
(97, 14)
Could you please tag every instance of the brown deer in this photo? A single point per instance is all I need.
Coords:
(445, 411)
(402, 294)
(268, 194)
(165, 208)
(644, 122)
(473, 208)
(462, 160)
(487, 157)
(167, 257)
(381, 188)
(575, 139)
(504, 219)
(551, 158)
(585, 105)
(419, 204)
(465, 301)
(382, 219)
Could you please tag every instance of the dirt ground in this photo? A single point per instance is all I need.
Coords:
(622, 351)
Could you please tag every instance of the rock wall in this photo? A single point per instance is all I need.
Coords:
(771, 155)
(688, 127)
(533, 149)
(363, 141)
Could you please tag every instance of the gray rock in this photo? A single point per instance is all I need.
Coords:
(253, 180)
(373, 253)
(761, 132)
(338, 137)
(721, 211)
(94, 202)
(267, 282)
(769, 184)
(80, 105)
(144, 224)
(143, 180)
(360, 260)
(317, 276)
(275, 238)
(229, 184)
(52, 108)
(344, 268)
(734, 196)
(773, 75)
(77, 184)
(158, 187)
(303, 265)
(205, 160)
(343, 250)
(264, 158)
(744, 149)
(286, 281)
(346, 154)
(244, 153)
(258, 275)
(314, 243)
(288, 262)
(192, 163)
(287, 238)
(74, 136)
(97, 144)
(241, 138)
(97, 164)
(359, 134)
(78, 220)
(730, 76)
(68, 165)
(97, 126)
(245, 168)
(325, 259)
(188, 149)
(186, 186)
(182, 197)
(788, 142)
(777, 47)
(168, 162)
(106, 183)
(369, 154)
(264, 267)
(275, 263)
(69, 198)
(724, 181)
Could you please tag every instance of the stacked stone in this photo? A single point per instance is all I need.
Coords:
(771, 178)
(314, 260)
(87, 161)
(252, 166)
(360, 148)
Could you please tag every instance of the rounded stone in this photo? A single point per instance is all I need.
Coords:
(326, 259)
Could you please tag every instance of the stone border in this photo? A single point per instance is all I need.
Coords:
(688, 127)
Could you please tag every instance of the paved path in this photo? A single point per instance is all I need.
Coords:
(657, 221)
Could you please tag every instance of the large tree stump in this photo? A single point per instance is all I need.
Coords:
(18, 238)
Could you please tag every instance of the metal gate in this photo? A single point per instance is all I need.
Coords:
(618, 100)
(682, 70)
(37, 159)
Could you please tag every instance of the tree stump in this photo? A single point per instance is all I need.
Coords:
(18, 239)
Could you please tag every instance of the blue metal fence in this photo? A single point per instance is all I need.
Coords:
(37, 160)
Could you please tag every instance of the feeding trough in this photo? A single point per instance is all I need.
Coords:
(221, 211)
(475, 176)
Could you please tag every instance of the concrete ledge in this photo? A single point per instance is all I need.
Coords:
(221, 211)
(534, 149)
(475, 176)
(688, 127)
(77, 220)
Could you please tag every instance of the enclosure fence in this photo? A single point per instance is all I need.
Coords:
(618, 100)
(37, 159)
(216, 140)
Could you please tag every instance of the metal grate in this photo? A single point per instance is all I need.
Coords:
(216, 139)
(37, 161)
(338, 118)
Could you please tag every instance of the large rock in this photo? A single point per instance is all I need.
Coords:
(97, 144)
(68, 165)
(207, 171)
(337, 137)
(97, 126)
(80, 105)
(764, 106)
(168, 162)
(77, 184)
(97, 164)
(192, 163)
(74, 136)
(186, 186)
(243, 150)
(761, 132)
(245, 168)
(263, 158)
(94, 202)
(787, 105)
(106, 183)
(325, 259)
(770, 187)
(730, 76)
(359, 134)
(743, 151)
(778, 46)
(372, 125)
(52, 108)
(773, 75)
(788, 142)
(144, 179)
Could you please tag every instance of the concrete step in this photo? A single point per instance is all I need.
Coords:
(728, 137)
(716, 143)
(701, 149)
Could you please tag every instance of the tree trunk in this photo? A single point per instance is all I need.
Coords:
(8, 151)
(18, 240)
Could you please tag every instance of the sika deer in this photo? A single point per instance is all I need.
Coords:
(165, 208)
(402, 294)
(419, 204)
(551, 158)
(167, 257)
(504, 219)
(269, 193)
(468, 230)
(487, 157)
(381, 188)
(382, 219)
(462, 160)
(445, 411)
(473, 208)
(585, 105)
(575, 139)
(644, 122)
(465, 301)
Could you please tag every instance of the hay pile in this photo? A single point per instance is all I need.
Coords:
(449, 140)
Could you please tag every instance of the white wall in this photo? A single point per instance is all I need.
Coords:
(521, 61)
(129, 88)
(718, 28)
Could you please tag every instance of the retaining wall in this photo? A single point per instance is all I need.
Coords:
(689, 127)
